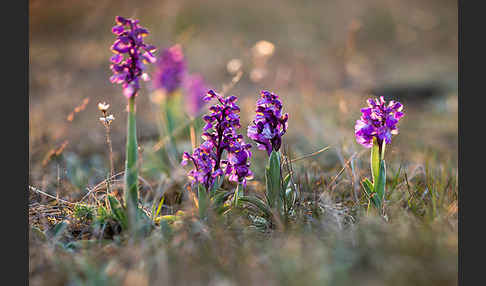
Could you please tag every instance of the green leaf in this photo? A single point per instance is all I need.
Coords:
(218, 181)
(219, 197)
(380, 183)
(290, 198)
(166, 230)
(395, 180)
(286, 181)
(171, 110)
(83, 211)
(370, 191)
(375, 160)
(259, 204)
(118, 212)
(217, 201)
(167, 218)
(55, 232)
(268, 191)
(203, 200)
(290, 193)
(223, 209)
(368, 186)
(101, 215)
(272, 176)
(238, 193)
(160, 206)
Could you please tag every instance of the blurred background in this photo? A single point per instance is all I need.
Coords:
(323, 58)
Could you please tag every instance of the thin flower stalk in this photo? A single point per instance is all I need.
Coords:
(106, 120)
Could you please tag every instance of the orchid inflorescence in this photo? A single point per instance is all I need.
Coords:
(220, 135)
(172, 74)
(171, 70)
(130, 41)
(269, 124)
(378, 120)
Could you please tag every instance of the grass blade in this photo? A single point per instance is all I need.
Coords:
(118, 212)
(259, 204)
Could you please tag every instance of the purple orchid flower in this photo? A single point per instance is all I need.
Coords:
(171, 69)
(204, 163)
(269, 124)
(378, 120)
(238, 163)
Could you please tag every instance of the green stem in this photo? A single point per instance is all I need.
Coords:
(169, 120)
(382, 149)
(375, 160)
(273, 180)
(378, 170)
(131, 171)
(238, 194)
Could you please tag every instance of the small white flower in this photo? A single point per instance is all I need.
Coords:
(103, 106)
(107, 119)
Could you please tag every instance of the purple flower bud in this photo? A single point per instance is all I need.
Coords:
(378, 120)
(269, 124)
(128, 70)
(171, 69)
